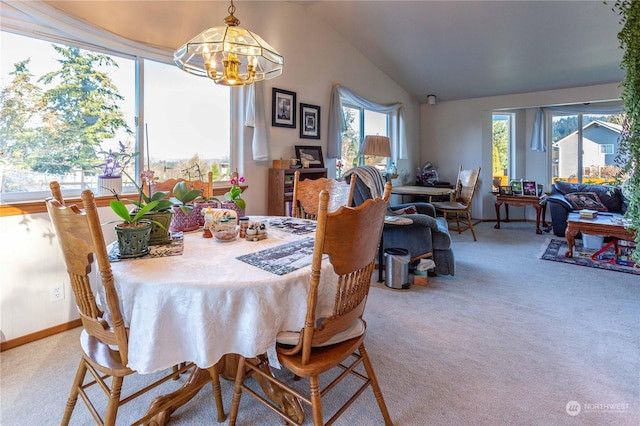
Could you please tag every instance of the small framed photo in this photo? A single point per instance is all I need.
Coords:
(283, 108)
(529, 188)
(309, 121)
(516, 187)
(310, 156)
(540, 189)
(505, 190)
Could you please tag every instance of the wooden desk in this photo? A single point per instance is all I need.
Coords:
(538, 203)
(603, 224)
(424, 191)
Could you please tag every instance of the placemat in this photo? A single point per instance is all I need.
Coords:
(174, 248)
(281, 260)
(293, 225)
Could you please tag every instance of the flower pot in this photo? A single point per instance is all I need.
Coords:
(133, 239)
(108, 185)
(184, 222)
(158, 234)
(233, 206)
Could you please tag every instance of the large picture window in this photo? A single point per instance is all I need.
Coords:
(64, 106)
(584, 147)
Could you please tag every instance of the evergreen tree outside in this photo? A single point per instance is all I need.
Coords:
(58, 123)
(20, 120)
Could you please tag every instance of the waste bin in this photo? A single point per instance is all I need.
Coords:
(397, 268)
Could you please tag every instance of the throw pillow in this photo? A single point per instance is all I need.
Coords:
(405, 210)
(585, 200)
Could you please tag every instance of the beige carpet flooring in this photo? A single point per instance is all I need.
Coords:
(509, 340)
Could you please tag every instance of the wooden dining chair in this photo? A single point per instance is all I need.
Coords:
(167, 186)
(460, 206)
(349, 237)
(306, 192)
(104, 338)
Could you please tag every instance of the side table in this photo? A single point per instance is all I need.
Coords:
(539, 203)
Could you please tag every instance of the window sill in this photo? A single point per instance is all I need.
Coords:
(38, 206)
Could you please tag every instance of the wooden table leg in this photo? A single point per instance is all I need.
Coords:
(497, 225)
(570, 234)
(538, 215)
(227, 368)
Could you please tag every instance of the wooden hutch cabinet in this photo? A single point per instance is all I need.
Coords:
(280, 190)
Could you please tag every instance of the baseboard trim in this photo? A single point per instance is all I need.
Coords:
(13, 343)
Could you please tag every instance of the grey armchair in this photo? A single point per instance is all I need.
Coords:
(427, 233)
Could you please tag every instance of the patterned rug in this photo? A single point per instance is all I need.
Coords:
(557, 248)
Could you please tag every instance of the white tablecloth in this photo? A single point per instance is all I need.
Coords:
(206, 303)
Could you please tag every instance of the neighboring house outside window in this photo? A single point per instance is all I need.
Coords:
(587, 155)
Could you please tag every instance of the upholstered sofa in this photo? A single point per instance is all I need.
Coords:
(427, 234)
(568, 197)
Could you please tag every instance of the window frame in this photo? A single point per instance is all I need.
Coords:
(7, 198)
(361, 111)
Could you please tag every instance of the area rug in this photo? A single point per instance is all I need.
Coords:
(557, 248)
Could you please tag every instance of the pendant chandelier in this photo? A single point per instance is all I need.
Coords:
(229, 55)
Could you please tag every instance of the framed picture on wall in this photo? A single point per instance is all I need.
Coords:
(283, 108)
(309, 121)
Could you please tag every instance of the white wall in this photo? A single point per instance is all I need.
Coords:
(459, 133)
(315, 58)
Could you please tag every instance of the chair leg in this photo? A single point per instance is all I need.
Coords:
(316, 401)
(471, 225)
(73, 397)
(377, 392)
(237, 392)
(114, 401)
(217, 392)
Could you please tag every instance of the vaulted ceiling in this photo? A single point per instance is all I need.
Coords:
(455, 49)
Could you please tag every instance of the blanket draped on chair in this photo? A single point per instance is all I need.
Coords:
(371, 177)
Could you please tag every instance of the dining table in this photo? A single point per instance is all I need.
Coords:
(200, 299)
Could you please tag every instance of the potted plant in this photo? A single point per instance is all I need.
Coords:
(115, 162)
(232, 197)
(184, 217)
(133, 233)
(629, 154)
(160, 215)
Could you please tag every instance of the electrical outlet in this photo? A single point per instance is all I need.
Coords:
(57, 292)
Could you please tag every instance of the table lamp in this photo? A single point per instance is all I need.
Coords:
(379, 146)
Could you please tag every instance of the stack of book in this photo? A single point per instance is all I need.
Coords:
(588, 214)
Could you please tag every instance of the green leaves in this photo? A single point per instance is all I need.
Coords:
(121, 210)
(182, 196)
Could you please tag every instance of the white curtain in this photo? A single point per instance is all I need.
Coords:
(37, 16)
(337, 122)
(254, 116)
(538, 142)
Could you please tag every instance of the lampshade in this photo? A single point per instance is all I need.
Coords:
(431, 99)
(229, 55)
(376, 145)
